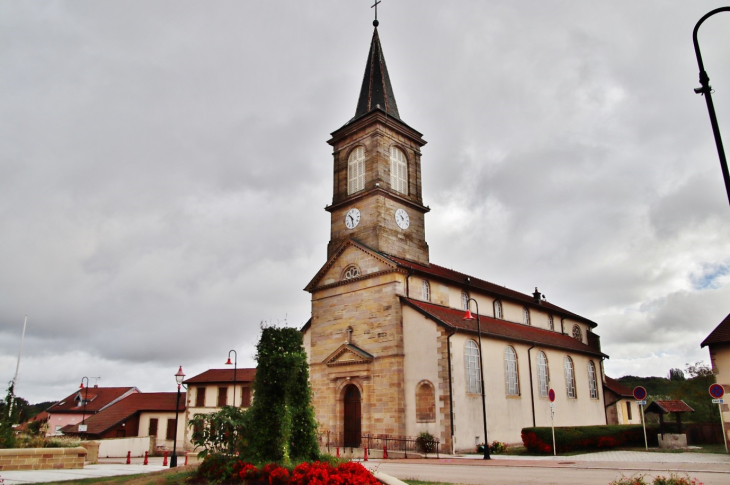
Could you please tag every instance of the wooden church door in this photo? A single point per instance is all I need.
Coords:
(353, 417)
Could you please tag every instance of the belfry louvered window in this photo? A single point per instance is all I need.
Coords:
(398, 171)
(512, 381)
(356, 171)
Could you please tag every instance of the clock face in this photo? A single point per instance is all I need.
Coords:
(402, 219)
(352, 219)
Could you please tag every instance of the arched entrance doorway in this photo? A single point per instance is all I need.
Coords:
(353, 416)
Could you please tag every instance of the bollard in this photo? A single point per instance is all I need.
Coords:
(366, 454)
(164, 462)
(338, 452)
(186, 459)
(146, 461)
(385, 452)
(129, 457)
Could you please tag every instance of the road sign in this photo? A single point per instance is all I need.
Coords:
(717, 391)
(718, 401)
(641, 403)
(639, 393)
(551, 395)
(82, 428)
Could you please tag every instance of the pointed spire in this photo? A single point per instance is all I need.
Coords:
(376, 89)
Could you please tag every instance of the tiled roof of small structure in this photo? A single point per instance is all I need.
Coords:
(721, 334)
(128, 407)
(664, 407)
(223, 376)
(98, 397)
(617, 387)
(467, 282)
(493, 327)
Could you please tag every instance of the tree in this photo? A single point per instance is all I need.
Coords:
(676, 375)
(699, 369)
(8, 417)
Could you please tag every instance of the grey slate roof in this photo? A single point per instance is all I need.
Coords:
(376, 89)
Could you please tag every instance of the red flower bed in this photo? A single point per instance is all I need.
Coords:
(316, 473)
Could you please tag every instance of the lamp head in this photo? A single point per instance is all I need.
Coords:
(468, 315)
(180, 376)
(229, 361)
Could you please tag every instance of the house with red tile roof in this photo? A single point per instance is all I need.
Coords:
(620, 403)
(139, 414)
(389, 348)
(209, 391)
(84, 403)
(718, 343)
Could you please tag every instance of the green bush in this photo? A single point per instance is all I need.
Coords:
(223, 432)
(426, 442)
(575, 438)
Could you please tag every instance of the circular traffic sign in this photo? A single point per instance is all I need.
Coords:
(639, 393)
(551, 395)
(717, 391)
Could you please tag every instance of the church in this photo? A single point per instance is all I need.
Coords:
(389, 347)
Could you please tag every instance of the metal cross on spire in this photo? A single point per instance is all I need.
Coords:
(375, 5)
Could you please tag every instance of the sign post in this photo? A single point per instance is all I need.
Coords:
(551, 395)
(717, 391)
(640, 396)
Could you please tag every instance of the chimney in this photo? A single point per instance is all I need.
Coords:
(538, 296)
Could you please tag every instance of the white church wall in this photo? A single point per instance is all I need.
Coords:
(421, 363)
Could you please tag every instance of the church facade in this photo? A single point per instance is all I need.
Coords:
(389, 349)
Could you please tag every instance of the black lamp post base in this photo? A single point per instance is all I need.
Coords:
(173, 461)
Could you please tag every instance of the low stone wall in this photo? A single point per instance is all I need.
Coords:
(41, 458)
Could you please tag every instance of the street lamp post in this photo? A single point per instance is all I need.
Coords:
(86, 399)
(235, 366)
(179, 377)
(468, 316)
(705, 89)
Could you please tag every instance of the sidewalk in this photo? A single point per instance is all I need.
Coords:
(106, 468)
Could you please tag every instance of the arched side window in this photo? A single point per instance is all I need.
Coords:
(512, 380)
(471, 362)
(398, 171)
(425, 291)
(425, 402)
(464, 300)
(543, 374)
(356, 171)
(525, 316)
(551, 326)
(350, 272)
(592, 382)
(577, 334)
(569, 377)
(498, 309)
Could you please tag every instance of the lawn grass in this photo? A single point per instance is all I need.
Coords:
(173, 476)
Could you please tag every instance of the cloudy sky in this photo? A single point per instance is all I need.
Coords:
(164, 169)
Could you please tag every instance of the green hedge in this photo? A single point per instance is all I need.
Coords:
(577, 438)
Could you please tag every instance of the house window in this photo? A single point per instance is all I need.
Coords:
(246, 397)
(569, 377)
(170, 429)
(471, 356)
(425, 403)
(543, 374)
(592, 383)
(628, 410)
(425, 291)
(577, 334)
(512, 381)
(464, 300)
(398, 171)
(200, 397)
(153, 427)
(551, 326)
(222, 396)
(356, 171)
(525, 316)
(350, 272)
(497, 309)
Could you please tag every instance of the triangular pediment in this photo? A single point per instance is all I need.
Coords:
(351, 262)
(347, 354)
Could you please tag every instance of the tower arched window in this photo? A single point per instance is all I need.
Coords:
(551, 326)
(525, 316)
(569, 377)
(398, 170)
(471, 361)
(356, 171)
(577, 334)
(498, 309)
(464, 300)
(543, 374)
(512, 380)
(592, 382)
(425, 291)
